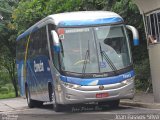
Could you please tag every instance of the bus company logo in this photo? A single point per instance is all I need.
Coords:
(101, 87)
(127, 76)
(101, 75)
(38, 67)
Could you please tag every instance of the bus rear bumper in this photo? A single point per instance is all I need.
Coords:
(73, 96)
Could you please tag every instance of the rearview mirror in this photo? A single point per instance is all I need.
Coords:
(135, 34)
(56, 43)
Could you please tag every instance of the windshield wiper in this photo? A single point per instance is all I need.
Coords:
(107, 59)
(87, 59)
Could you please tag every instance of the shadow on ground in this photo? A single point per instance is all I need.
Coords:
(85, 108)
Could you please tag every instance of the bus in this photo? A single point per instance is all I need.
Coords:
(76, 57)
(150, 11)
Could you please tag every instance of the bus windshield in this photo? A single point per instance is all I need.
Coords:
(94, 49)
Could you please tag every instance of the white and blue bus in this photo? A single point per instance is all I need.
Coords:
(76, 57)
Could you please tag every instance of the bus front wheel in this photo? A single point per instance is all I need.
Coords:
(57, 107)
(111, 104)
(114, 103)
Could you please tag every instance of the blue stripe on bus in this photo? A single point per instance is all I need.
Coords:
(77, 23)
(90, 22)
(98, 81)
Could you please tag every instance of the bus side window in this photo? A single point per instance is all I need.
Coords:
(44, 45)
(31, 48)
(55, 56)
(20, 51)
(32, 45)
(38, 43)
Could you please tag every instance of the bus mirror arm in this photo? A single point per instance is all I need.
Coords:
(135, 34)
(56, 43)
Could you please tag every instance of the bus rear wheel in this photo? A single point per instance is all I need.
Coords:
(29, 100)
(32, 103)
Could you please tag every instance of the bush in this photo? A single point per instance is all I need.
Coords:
(142, 71)
(10, 87)
(4, 78)
(6, 87)
(9, 95)
(4, 90)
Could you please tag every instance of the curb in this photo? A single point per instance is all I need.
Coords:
(140, 104)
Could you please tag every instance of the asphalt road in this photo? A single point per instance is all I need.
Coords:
(16, 109)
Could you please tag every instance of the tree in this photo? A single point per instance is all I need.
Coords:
(7, 41)
(29, 12)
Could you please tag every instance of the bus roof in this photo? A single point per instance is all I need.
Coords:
(80, 18)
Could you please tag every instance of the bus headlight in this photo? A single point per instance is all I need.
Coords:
(69, 85)
(128, 81)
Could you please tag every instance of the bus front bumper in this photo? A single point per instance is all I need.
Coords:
(84, 94)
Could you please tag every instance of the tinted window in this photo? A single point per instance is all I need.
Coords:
(38, 43)
(20, 49)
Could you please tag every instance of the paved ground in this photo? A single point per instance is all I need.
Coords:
(122, 113)
(16, 109)
(142, 99)
(7, 105)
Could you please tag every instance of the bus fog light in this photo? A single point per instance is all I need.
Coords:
(132, 90)
(68, 96)
(126, 82)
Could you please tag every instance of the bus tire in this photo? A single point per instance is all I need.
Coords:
(57, 107)
(114, 103)
(37, 103)
(111, 104)
(32, 103)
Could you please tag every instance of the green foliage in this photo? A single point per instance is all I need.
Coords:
(7, 43)
(4, 90)
(6, 86)
(4, 78)
(142, 70)
(128, 10)
(29, 12)
(10, 87)
(8, 95)
(5, 7)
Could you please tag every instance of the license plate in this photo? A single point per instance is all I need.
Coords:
(102, 95)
